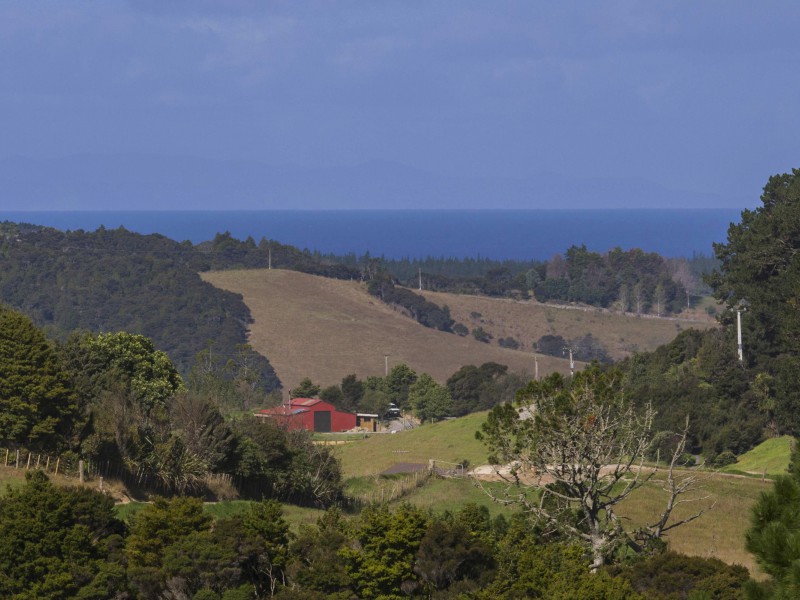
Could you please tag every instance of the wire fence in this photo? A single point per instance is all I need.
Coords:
(66, 465)
(72, 466)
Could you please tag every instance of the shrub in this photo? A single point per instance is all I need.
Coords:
(509, 342)
(481, 335)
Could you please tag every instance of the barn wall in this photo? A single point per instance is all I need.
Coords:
(342, 421)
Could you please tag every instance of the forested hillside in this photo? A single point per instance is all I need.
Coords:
(116, 280)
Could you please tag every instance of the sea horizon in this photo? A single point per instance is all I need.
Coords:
(500, 234)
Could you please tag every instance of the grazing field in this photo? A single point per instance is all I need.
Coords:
(10, 477)
(452, 494)
(771, 457)
(325, 329)
(526, 321)
(720, 532)
(448, 441)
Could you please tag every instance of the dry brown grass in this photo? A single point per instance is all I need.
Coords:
(325, 329)
(527, 321)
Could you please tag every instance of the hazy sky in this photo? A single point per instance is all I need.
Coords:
(699, 96)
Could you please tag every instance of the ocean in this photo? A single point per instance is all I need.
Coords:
(495, 234)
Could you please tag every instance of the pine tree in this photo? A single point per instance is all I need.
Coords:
(37, 404)
(774, 536)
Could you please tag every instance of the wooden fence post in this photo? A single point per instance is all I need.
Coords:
(58, 461)
(47, 464)
(5, 465)
(80, 471)
(28, 466)
(16, 465)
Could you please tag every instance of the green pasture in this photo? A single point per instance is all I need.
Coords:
(446, 441)
(769, 458)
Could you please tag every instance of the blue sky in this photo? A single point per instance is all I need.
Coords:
(695, 98)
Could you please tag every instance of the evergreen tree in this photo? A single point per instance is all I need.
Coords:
(37, 403)
(430, 400)
(774, 536)
(58, 543)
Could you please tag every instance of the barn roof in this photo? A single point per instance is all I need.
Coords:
(305, 401)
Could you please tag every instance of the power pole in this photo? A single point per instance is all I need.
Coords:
(535, 367)
(386, 364)
(420, 279)
(571, 362)
(739, 333)
(269, 258)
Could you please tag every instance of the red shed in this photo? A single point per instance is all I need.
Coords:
(311, 414)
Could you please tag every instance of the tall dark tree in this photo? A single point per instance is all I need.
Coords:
(155, 528)
(352, 392)
(305, 389)
(759, 265)
(774, 536)
(58, 543)
(37, 403)
(760, 268)
(398, 383)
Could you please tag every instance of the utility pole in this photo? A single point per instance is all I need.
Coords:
(420, 279)
(535, 367)
(571, 362)
(386, 364)
(269, 258)
(739, 332)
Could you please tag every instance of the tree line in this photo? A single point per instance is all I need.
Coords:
(470, 389)
(629, 280)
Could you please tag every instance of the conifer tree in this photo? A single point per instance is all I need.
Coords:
(37, 404)
(774, 536)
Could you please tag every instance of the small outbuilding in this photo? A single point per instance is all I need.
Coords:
(311, 414)
(367, 422)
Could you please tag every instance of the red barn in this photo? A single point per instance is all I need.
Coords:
(311, 414)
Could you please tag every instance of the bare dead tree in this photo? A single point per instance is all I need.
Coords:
(580, 448)
(677, 488)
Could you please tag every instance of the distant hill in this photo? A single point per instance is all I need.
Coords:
(116, 280)
(325, 329)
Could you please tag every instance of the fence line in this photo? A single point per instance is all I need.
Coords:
(71, 466)
(399, 489)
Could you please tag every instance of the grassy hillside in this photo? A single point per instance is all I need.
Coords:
(719, 533)
(771, 457)
(449, 441)
(326, 328)
(527, 321)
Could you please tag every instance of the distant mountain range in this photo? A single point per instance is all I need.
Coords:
(150, 182)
